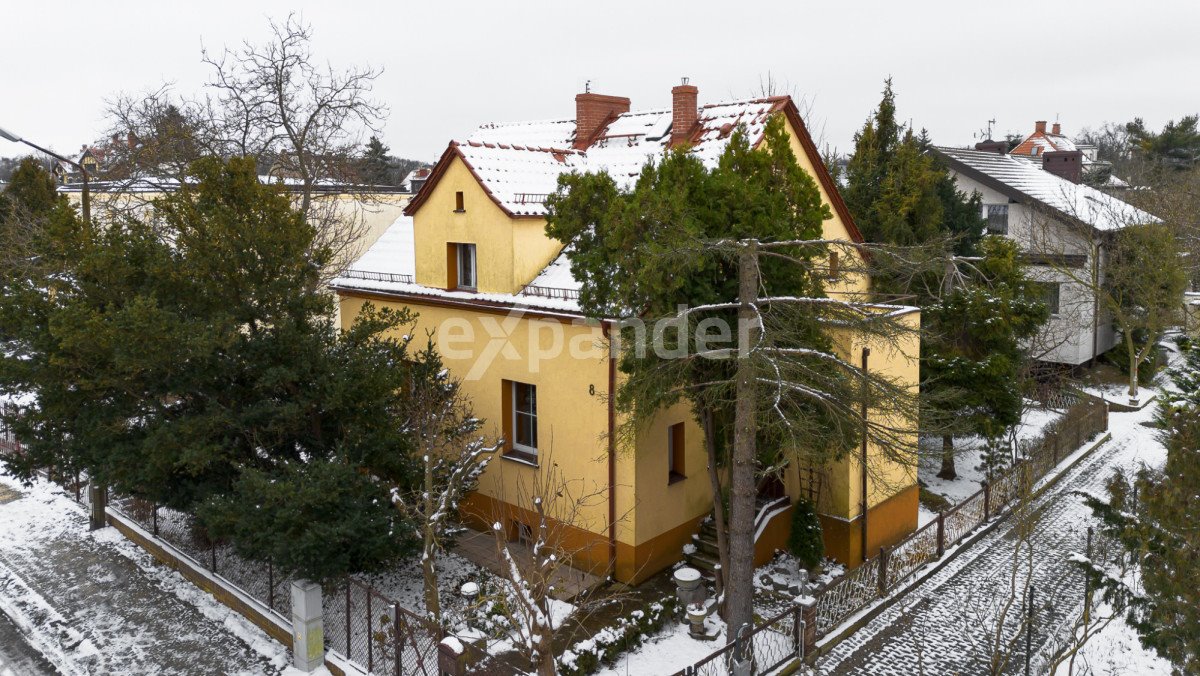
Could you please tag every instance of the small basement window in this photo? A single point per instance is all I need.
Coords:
(675, 454)
(458, 202)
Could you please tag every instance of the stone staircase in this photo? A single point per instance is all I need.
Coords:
(705, 557)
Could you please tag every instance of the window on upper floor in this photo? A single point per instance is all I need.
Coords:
(675, 453)
(997, 219)
(460, 266)
(458, 202)
(833, 265)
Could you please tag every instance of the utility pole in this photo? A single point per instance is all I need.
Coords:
(866, 353)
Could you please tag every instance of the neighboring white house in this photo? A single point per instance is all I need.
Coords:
(1063, 228)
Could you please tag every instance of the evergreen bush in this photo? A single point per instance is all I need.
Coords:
(805, 541)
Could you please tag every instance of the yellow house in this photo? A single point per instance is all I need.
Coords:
(472, 259)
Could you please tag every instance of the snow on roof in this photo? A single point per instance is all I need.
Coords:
(519, 164)
(1076, 201)
(390, 266)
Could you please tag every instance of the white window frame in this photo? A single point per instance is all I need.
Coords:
(474, 271)
(532, 415)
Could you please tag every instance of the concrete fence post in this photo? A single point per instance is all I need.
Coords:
(98, 496)
(308, 633)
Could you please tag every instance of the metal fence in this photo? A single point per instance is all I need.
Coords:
(878, 576)
(376, 633)
(769, 646)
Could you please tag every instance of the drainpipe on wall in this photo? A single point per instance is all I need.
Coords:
(1095, 303)
(866, 352)
(612, 455)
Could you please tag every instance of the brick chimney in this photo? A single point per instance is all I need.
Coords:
(684, 112)
(1056, 129)
(1066, 164)
(1000, 147)
(1039, 127)
(592, 112)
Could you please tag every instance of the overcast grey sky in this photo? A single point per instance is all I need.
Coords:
(451, 65)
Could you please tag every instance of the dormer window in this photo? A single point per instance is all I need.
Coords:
(460, 260)
(458, 202)
(997, 219)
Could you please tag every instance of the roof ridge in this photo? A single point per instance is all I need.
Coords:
(516, 146)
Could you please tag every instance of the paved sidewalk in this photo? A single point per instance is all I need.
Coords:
(944, 626)
(94, 603)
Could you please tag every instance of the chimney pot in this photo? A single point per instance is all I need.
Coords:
(684, 112)
(594, 111)
(1056, 129)
(1040, 126)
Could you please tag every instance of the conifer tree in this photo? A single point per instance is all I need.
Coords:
(186, 357)
(376, 166)
(1155, 519)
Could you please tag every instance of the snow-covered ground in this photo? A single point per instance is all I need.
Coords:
(95, 603)
(944, 625)
(969, 459)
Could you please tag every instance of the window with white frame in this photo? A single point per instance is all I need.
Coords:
(524, 417)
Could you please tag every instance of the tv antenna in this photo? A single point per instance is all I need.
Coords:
(987, 134)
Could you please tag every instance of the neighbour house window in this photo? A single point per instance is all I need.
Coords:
(997, 219)
(460, 266)
(675, 446)
(833, 265)
(1051, 291)
(458, 202)
(524, 418)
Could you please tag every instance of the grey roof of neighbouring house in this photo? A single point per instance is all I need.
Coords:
(1024, 180)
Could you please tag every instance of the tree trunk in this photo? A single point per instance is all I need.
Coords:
(433, 604)
(740, 585)
(947, 471)
(714, 479)
(1133, 370)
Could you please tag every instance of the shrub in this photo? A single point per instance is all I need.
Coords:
(805, 541)
(610, 642)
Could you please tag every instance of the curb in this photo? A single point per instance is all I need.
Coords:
(832, 639)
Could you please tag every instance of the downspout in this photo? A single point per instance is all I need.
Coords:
(1095, 303)
(866, 352)
(612, 455)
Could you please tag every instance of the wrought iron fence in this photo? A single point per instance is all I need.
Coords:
(848, 595)
(916, 550)
(378, 276)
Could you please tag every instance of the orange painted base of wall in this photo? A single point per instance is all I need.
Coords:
(774, 537)
(590, 551)
(887, 523)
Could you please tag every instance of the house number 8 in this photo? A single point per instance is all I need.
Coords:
(592, 389)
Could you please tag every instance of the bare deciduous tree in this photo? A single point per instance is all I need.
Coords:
(452, 455)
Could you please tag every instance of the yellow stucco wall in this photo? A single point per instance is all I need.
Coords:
(573, 415)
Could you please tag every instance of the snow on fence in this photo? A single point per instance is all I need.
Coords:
(769, 646)
(877, 577)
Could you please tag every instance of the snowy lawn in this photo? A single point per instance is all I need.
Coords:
(969, 459)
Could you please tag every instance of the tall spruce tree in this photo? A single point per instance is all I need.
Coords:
(900, 194)
(186, 357)
(972, 354)
(376, 166)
